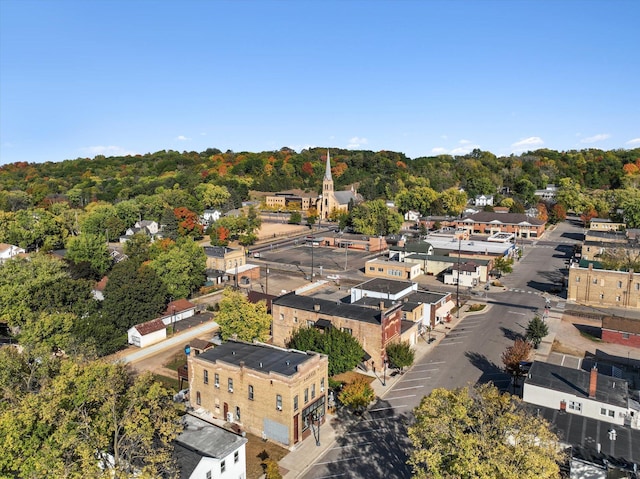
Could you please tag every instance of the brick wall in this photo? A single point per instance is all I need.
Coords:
(617, 337)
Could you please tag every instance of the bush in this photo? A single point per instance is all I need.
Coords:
(357, 395)
(400, 355)
(271, 469)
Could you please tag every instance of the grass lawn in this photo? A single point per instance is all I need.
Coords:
(170, 383)
(257, 451)
(178, 361)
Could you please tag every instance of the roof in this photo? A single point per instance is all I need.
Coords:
(201, 344)
(428, 297)
(626, 325)
(150, 327)
(258, 356)
(100, 285)
(217, 251)
(466, 266)
(413, 247)
(446, 259)
(330, 308)
(609, 390)
(382, 285)
(467, 246)
(203, 439)
(255, 296)
(343, 197)
(178, 306)
(504, 218)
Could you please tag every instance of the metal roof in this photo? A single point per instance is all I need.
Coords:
(330, 308)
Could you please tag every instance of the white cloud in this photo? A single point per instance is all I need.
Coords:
(357, 142)
(107, 151)
(527, 142)
(635, 141)
(299, 148)
(438, 150)
(182, 138)
(596, 138)
(464, 142)
(463, 150)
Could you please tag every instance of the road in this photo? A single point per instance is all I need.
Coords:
(376, 445)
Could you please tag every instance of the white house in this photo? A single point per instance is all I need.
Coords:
(205, 451)
(484, 200)
(8, 251)
(177, 311)
(412, 215)
(469, 274)
(210, 216)
(146, 334)
(152, 226)
(575, 391)
(146, 227)
(382, 288)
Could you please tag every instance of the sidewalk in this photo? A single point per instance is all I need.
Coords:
(298, 461)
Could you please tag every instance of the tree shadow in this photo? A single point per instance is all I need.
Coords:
(588, 330)
(380, 436)
(573, 236)
(491, 372)
(511, 334)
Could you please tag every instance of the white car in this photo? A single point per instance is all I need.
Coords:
(333, 276)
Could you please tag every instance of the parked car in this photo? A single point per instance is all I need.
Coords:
(333, 276)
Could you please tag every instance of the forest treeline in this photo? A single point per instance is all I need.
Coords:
(381, 174)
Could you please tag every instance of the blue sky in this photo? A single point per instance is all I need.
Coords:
(81, 78)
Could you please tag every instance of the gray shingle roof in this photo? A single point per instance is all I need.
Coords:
(330, 308)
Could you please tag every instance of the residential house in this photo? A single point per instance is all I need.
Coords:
(204, 450)
(483, 200)
(99, 287)
(232, 261)
(210, 216)
(466, 274)
(146, 334)
(412, 215)
(399, 253)
(436, 308)
(177, 311)
(547, 194)
(575, 391)
(619, 330)
(486, 222)
(8, 251)
(271, 392)
(374, 328)
(145, 227)
(599, 287)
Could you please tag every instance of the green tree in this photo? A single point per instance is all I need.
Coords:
(400, 355)
(137, 248)
(169, 223)
(102, 219)
(503, 265)
(92, 419)
(375, 218)
(212, 196)
(536, 330)
(91, 249)
(344, 351)
(181, 267)
(242, 320)
(357, 395)
(295, 218)
(479, 433)
(452, 201)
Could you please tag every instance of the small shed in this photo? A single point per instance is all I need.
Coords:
(146, 334)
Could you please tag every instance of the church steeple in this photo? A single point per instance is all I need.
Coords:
(327, 171)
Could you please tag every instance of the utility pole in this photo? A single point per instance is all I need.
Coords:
(311, 279)
(267, 280)
(458, 281)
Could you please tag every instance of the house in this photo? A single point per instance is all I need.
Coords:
(274, 393)
(486, 222)
(618, 330)
(547, 194)
(381, 288)
(8, 251)
(98, 289)
(177, 311)
(232, 261)
(398, 253)
(466, 274)
(146, 334)
(373, 327)
(204, 450)
(210, 216)
(381, 268)
(412, 215)
(435, 308)
(575, 391)
(145, 227)
(483, 200)
(599, 287)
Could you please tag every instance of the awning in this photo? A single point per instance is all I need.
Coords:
(323, 324)
(443, 310)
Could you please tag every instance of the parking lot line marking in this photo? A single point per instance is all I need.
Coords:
(422, 370)
(450, 343)
(398, 397)
(386, 409)
(339, 460)
(352, 445)
(416, 379)
(404, 389)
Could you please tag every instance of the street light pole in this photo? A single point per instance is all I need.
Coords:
(384, 372)
(267, 280)
(458, 281)
(311, 279)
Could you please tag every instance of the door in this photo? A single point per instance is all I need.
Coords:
(226, 410)
(296, 420)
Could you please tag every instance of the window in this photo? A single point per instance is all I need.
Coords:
(306, 395)
(371, 268)
(595, 280)
(278, 402)
(223, 467)
(236, 456)
(381, 269)
(310, 324)
(237, 413)
(281, 316)
(575, 406)
(601, 295)
(208, 474)
(347, 330)
(603, 411)
(637, 286)
(216, 380)
(250, 392)
(295, 319)
(230, 385)
(198, 399)
(619, 284)
(625, 335)
(206, 376)
(618, 298)
(313, 390)
(321, 385)
(612, 413)
(577, 279)
(295, 402)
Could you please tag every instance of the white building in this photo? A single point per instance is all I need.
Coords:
(468, 274)
(8, 251)
(210, 216)
(177, 311)
(484, 200)
(412, 215)
(205, 451)
(381, 288)
(575, 391)
(146, 334)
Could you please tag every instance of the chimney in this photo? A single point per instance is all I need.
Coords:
(316, 307)
(593, 381)
(381, 305)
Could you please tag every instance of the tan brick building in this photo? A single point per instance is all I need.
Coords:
(486, 222)
(271, 392)
(600, 287)
(374, 328)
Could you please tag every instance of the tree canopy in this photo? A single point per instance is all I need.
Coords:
(242, 320)
(479, 433)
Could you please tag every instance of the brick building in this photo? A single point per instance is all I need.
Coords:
(486, 222)
(625, 331)
(271, 392)
(374, 328)
(600, 287)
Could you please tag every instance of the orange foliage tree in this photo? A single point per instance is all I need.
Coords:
(188, 224)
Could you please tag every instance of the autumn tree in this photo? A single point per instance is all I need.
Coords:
(587, 216)
(543, 214)
(357, 395)
(536, 330)
(557, 214)
(400, 355)
(479, 433)
(242, 320)
(375, 218)
(188, 223)
(513, 356)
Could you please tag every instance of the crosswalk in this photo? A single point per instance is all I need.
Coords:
(527, 291)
